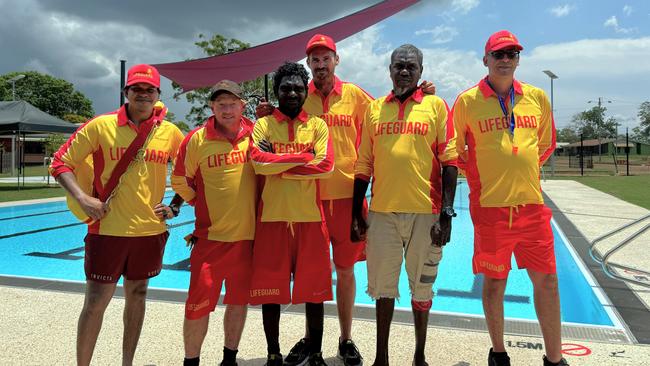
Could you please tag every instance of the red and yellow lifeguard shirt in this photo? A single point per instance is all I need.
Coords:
(343, 110)
(403, 148)
(105, 138)
(291, 189)
(215, 175)
(503, 168)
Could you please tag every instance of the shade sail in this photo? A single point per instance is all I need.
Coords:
(253, 62)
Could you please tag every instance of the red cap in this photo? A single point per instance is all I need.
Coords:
(500, 40)
(143, 73)
(320, 40)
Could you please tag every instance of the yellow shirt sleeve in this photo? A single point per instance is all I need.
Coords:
(459, 122)
(74, 152)
(185, 169)
(364, 166)
(363, 103)
(546, 130)
(446, 135)
(266, 163)
(322, 165)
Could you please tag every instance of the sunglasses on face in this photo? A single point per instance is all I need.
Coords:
(512, 54)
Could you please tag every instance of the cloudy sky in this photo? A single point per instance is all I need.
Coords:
(597, 48)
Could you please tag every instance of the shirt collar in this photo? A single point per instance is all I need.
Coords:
(123, 116)
(487, 91)
(417, 96)
(338, 86)
(281, 117)
(212, 133)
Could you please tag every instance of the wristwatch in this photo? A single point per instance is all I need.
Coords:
(448, 211)
(175, 210)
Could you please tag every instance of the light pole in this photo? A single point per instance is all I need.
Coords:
(553, 77)
(13, 140)
(13, 85)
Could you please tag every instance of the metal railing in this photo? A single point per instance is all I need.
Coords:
(604, 259)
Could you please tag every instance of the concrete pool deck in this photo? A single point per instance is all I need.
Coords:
(38, 325)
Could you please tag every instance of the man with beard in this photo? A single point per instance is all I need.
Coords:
(293, 151)
(408, 149)
(343, 106)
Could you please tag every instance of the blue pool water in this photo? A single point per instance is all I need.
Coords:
(46, 241)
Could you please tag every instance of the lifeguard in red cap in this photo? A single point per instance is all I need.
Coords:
(129, 150)
(343, 106)
(509, 131)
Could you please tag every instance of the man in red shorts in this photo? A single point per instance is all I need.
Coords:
(213, 173)
(292, 151)
(343, 106)
(128, 233)
(509, 132)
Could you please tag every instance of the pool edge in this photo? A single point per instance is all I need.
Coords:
(629, 308)
(469, 322)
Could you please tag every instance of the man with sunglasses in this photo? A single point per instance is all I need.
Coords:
(509, 131)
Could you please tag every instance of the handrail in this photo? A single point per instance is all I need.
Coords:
(608, 268)
(592, 245)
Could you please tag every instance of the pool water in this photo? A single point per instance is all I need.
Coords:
(46, 241)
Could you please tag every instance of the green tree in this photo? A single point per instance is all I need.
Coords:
(642, 132)
(75, 118)
(47, 93)
(593, 124)
(639, 136)
(198, 98)
(567, 134)
(52, 143)
(171, 117)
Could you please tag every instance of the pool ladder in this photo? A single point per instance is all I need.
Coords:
(612, 269)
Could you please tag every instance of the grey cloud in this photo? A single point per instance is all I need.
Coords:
(83, 41)
(183, 19)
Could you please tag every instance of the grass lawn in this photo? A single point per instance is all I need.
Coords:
(633, 189)
(30, 171)
(9, 192)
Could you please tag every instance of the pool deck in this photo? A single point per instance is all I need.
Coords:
(38, 325)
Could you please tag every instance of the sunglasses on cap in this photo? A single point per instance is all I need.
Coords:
(512, 54)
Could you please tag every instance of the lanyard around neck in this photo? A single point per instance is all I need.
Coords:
(504, 107)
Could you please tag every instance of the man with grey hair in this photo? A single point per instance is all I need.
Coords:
(408, 148)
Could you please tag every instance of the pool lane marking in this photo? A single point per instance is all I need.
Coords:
(45, 213)
(70, 225)
(476, 293)
(40, 230)
(32, 215)
(67, 254)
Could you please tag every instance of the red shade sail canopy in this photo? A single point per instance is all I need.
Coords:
(253, 62)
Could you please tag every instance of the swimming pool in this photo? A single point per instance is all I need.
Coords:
(46, 241)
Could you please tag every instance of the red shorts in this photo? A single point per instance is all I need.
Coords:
(212, 263)
(135, 257)
(281, 250)
(338, 216)
(500, 231)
